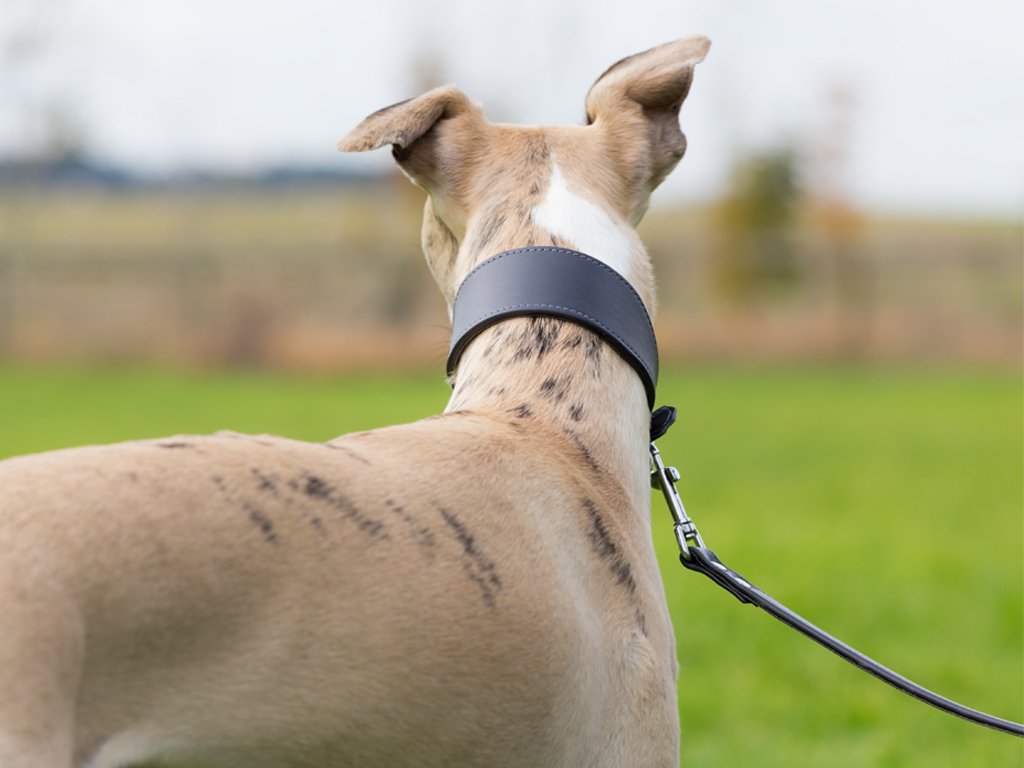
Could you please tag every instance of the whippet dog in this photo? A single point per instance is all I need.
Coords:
(478, 588)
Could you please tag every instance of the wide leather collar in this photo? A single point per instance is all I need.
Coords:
(546, 281)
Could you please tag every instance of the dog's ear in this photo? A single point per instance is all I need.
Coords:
(411, 128)
(637, 102)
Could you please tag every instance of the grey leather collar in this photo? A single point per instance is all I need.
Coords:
(557, 282)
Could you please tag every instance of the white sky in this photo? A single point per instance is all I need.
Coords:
(938, 85)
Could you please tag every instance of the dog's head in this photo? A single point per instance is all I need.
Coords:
(493, 187)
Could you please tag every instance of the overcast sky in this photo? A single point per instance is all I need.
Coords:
(933, 118)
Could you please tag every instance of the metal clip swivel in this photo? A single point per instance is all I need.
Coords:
(664, 479)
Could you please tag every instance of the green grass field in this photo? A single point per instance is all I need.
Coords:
(886, 506)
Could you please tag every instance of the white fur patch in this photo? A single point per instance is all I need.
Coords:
(582, 225)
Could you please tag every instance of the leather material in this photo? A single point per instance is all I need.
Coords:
(661, 421)
(557, 282)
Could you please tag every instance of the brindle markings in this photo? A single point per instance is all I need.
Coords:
(497, 339)
(424, 536)
(266, 481)
(641, 621)
(349, 452)
(555, 389)
(545, 334)
(524, 211)
(606, 548)
(261, 521)
(480, 569)
(524, 350)
(587, 457)
(175, 445)
(487, 234)
(573, 341)
(522, 411)
(576, 411)
(492, 344)
(319, 490)
(256, 514)
(539, 152)
(537, 338)
(592, 352)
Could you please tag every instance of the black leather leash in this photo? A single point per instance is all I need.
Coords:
(558, 282)
(695, 555)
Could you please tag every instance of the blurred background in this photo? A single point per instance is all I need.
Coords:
(169, 188)
(840, 261)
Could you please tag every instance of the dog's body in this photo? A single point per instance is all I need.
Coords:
(474, 589)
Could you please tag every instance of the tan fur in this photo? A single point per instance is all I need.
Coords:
(474, 589)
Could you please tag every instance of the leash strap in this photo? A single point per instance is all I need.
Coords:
(696, 556)
(557, 282)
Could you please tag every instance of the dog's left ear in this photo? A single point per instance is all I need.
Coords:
(637, 100)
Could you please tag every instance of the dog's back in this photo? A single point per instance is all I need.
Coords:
(338, 602)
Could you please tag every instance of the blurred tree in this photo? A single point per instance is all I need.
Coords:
(64, 137)
(755, 254)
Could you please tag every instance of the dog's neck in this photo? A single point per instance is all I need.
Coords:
(551, 375)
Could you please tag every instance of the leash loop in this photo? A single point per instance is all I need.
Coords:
(696, 556)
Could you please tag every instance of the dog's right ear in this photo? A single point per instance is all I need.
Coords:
(411, 128)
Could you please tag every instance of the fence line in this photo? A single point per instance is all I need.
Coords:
(321, 303)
